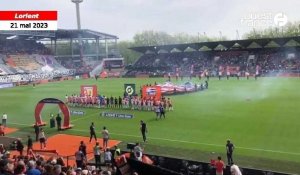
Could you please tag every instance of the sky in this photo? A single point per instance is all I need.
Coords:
(125, 18)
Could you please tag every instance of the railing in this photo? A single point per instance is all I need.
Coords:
(169, 165)
(194, 167)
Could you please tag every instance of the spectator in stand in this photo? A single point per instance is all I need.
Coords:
(138, 152)
(78, 171)
(212, 164)
(2, 149)
(20, 169)
(235, 170)
(117, 153)
(80, 158)
(20, 146)
(82, 147)
(219, 166)
(6, 167)
(29, 145)
(60, 161)
(57, 170)
(32, 168)
(48, 168)
(107, 158)
(97, 155)
(40, 165)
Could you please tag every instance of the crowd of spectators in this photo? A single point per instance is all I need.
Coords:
(34, 76)
(197, 62)
(81, 66)
(36, 164)
(37, 53)
(270, 62)
(22, 46)
(14, 46)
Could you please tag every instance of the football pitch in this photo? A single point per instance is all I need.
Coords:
(262, 118)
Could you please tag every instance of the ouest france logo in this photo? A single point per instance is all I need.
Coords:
(265, 19)
(280, 19)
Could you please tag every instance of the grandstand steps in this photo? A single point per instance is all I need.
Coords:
(24, 62)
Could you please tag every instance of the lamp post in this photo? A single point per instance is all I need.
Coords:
(77, 2)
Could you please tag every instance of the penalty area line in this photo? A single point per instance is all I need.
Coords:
(188, 142)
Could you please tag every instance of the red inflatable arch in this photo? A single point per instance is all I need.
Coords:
(63, 107)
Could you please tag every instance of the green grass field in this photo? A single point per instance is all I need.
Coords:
(260, 117)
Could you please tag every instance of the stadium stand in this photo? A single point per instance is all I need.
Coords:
(24, 62)
(27, 67)
(22, 52)
(160, 165)
(269, 61)
(220, 56)
(16, 46)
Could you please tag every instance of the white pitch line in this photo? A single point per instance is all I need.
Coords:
(189, 142)
(211, 144)
(19, 124)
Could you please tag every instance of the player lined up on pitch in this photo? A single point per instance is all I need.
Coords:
(128, 102)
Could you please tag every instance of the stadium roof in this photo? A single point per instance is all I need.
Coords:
(60, 34)
(227, 45)
(85, 33)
